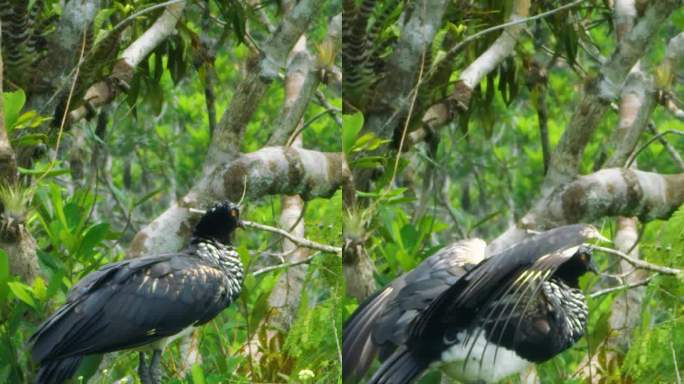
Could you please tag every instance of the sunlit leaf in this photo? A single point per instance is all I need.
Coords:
(22, 292)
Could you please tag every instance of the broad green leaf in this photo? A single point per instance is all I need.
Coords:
(409, 237)
(30, 119)
(93, 235)
(73, 214)
(351, 126)
(197, 374)
(13, 102)
(368, 142)
(22, 292)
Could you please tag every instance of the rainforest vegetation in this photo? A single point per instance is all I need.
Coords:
(121, 116)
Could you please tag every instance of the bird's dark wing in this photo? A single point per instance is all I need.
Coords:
(421, 286)
(457, 308)
(382, 319)
(532, 259)
(132, 303)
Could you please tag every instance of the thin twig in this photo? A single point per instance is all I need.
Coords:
(299, 129)
(328, 107)
(284, 265)
(621, 287)
(306, 243)
(408, 119)
(302, 242)
(634, 155)
(140, 13)
(483, 32)
(66, 111)
(639, 263)
(668, 147)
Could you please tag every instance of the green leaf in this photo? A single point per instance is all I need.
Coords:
(30, 119)
(101, 17)
(197, 374)
(351, 126)
(238, 20)
(409, 237)
(29, 140)
(22, 292)
(368, 162)
(94, 235)
(155, 97)
(42, 170)
(39, 288)
(13, 102)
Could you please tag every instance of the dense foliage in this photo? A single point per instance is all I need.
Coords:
(86, 188)
(482, 171)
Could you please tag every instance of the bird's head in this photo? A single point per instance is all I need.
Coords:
(218, 222)
(576, 266)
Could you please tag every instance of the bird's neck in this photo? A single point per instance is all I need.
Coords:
(219, 254)
(572, 304)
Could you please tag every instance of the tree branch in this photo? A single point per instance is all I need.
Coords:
(300, 241)
(668, 147)
(636, 104)
(300, 81)
(276, 49)
(613, 192)
(600, 90)
(260, 71)
(394, 91)
(289, 264)
(657, 136)
(441, 113)
(8, 159)
(104, 92)
(639, 263)
(268, 171)
(15, 240)
(622, 287)
(608, 192)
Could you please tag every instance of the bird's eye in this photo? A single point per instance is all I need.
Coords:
(233, 212)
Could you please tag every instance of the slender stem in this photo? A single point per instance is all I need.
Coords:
(658, 136)
(621, 287)
(284, 265)
(639, 263)
(306, 243)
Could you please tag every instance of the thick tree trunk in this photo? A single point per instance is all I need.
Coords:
(15, 240)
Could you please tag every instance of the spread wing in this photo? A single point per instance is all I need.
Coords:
(132, 303)
(514, 270)
(381, 322)
(510, 271)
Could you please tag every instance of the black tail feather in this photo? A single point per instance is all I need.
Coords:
(358, 350)
(401, 368)
(57, 371)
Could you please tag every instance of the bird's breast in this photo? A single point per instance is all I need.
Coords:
(476, 360)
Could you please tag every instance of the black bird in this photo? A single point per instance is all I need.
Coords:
(143, 302)
(477, 319)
